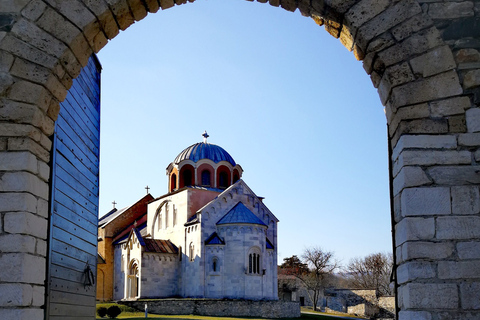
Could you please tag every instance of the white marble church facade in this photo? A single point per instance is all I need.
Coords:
(211, 237)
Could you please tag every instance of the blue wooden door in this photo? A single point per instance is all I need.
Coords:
(74, 205)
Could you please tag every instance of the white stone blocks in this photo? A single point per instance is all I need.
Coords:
(18, 161)
(21, 181)
(364, 11)
(29, 92)
(431, 158)
(22, 314)
(25, 223)
(439, 86)
(450, 106)
(433, 62)
(473, 119)
(424, 142)
(17, 243)
(465, 200)
(22, 268)
(38, 296)
(459, 269)
(26, 51)
(450, 10)
(469, 139)
(427, 250)
(415, 315)
(430, 296)
(470, 295)
(410, 177)
(122, 14)
(17, 202)
(425, 201)
(15, 295)
(471, 79)
(411, 229)
(468, 250)
(414, 270)
(458, 228)
(455, 175)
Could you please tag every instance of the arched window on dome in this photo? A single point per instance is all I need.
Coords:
(236, 176)
(187, 177)
(173, 182)
(206, 178)
(223, 180)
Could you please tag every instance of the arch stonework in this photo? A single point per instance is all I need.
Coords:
(422, 56)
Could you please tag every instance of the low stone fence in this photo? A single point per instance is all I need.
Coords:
(219, 308)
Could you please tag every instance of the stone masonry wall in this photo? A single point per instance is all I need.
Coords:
(421, 55)
(220, 308)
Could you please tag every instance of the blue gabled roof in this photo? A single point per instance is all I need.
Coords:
(240, 214)
(214, 239)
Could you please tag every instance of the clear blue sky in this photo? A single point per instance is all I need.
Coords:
(290, 104)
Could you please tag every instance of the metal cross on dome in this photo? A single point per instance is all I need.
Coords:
(205, 136)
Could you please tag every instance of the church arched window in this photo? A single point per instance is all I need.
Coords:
(254, 261)
(215, 267)
(166, 216)
(174, 216)
(206, 178)
(192, 251)
(236, 177)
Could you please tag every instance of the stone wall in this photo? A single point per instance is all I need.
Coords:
(421, 55)
(220, 308)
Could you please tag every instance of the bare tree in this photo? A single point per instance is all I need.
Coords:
(314, 271)
(371, 272)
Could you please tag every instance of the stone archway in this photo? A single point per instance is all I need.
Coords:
(421, 55)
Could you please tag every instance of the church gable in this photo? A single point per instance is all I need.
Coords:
(237, 193)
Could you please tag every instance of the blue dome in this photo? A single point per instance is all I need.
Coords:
(202, 150)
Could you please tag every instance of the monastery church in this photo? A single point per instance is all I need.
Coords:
(210, 236)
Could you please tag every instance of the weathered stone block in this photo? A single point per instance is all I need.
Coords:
(165, 4)
(17, 202)
(458, 269)
(411, 271)
(138, 9)
(415, 315)
(6, 61)
(426, 201)
(409, 229)
(394, 76)
(18, 161)
(424, 142)
(388, 19)
(29, 92)
(468, 250)
(22, 144)
(21, 314)
(439, 86)
(470, 295)
(431, 63)
(42, 207)
(430, 296)
(457, 124)
(17, 243)
(430, 158)
(473, 119)
(467, 55)
(471, 79)
(455, 175)
(410, 177)
(22, 267)
(34, 10)
(380, 43)
(458, 228)
(289, 5)
(364, 11)
(416, 44)
(427, 250)
(412, 25)
(450, 106)
(418, 111)
(20, 112)
(22, 181)
(15, 295)
(450, 10)
(41, 248)
(25, 223)
(340, 6)
(465, 200)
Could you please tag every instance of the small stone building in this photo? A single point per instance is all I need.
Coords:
(210, 236)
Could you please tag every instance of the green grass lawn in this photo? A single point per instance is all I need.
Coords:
(132, 314)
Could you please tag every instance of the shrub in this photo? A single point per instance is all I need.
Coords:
(113, 312)
(102, 312)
